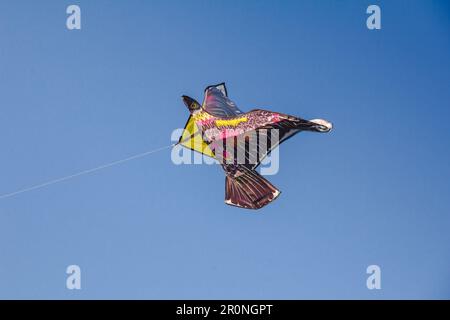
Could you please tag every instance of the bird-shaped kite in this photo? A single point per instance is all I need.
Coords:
(240, 141)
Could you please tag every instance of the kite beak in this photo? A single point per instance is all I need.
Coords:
(320, 125)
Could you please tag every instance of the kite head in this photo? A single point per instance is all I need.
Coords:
(318, 125)
(192, 104)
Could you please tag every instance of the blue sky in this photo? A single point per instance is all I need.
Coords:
(374, 191)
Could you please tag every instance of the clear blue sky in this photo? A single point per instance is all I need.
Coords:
(374, 191)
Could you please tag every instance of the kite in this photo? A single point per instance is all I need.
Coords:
(239, 141)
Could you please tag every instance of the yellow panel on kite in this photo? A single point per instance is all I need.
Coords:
(192, 139)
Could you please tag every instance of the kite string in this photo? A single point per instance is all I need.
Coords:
(85, 172)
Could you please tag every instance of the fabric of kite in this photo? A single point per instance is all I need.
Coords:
(192, 139)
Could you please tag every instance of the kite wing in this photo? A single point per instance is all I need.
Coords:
(218, 104)
(266, 141)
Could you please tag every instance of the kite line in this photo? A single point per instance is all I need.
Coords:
(85, 172)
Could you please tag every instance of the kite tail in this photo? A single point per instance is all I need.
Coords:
(248, 189)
